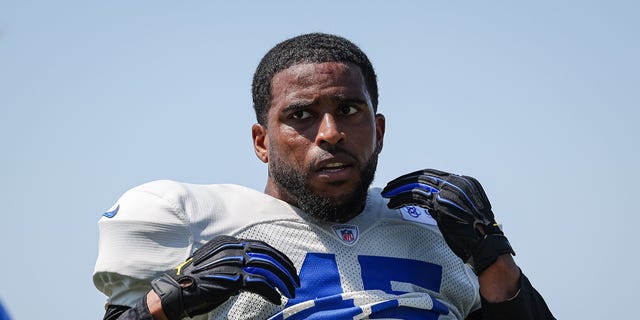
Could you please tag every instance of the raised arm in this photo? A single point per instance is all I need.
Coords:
(466, 221)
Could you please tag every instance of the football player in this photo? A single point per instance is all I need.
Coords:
(318, 242)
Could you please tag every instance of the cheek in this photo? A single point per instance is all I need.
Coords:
(288, 144)
(364, 138)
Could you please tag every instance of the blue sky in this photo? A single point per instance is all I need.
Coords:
(538, 100)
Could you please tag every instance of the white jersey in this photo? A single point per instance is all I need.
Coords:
(391, 264)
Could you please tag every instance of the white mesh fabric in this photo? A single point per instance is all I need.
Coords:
(161, 223)
(382, 234)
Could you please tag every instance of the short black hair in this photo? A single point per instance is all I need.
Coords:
(308, 48)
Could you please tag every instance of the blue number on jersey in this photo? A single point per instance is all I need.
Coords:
(320, 283)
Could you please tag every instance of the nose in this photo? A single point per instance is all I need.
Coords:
(328, 131)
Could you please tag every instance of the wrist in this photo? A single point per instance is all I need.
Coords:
(490, 248)
(155, 306)
(169, 292)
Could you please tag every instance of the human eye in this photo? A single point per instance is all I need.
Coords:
(300, 115)
(346, 110)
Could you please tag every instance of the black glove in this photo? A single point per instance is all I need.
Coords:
(461, 208)
(222, 268)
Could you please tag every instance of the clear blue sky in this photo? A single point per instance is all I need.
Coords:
(539, 100)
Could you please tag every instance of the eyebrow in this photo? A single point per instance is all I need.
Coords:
(297, 105)
(343, 99)
(303, 104)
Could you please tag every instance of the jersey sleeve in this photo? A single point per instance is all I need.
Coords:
(143, 235)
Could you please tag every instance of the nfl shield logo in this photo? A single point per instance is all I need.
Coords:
(347, 233)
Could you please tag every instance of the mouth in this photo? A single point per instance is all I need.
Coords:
(336, 168)
(333, 166)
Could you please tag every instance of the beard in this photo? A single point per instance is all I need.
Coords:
(331, 209)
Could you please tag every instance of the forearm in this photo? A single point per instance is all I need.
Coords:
(500, 281)
(502, 300)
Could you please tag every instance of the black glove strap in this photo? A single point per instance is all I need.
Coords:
(170, 294)
(488, 251)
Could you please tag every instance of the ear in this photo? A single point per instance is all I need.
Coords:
(380, 123)
(260, 142)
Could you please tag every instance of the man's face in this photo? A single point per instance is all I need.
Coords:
(322, 139)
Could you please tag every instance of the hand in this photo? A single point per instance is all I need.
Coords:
(222, 268)
(460, 207)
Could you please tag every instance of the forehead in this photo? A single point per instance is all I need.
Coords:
(317, 79)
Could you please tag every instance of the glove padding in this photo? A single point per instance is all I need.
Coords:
(460, 207)
(222, 268)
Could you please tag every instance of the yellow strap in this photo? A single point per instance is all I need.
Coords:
(180, 266)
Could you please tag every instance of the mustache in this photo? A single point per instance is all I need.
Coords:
(332, 151)
(336, 149)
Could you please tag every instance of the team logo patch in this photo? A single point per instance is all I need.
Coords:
(347, 233)
(112, 213)
(417, 214)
